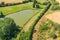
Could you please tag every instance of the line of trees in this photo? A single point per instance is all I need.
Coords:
(3, 4)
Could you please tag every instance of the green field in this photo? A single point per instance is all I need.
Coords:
(23, 16)
(12, 9)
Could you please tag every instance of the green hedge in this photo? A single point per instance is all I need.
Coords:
(3, 4)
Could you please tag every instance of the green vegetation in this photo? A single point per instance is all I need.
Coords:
(8, 29)
(53, 35)
(3, 4)
(1, 14)
(16, 8)
(28, 34)
(44, 27)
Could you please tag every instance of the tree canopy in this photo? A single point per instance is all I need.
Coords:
(8, 29)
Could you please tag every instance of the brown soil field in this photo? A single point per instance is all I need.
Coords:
(11, 1)
(58, 1)
(55, 17)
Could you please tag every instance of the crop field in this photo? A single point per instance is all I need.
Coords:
(29, 19)
(23, 16)
(13, 9)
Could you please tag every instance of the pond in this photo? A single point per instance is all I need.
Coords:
(22, 17)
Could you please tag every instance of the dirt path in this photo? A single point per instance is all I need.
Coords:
(36, 29)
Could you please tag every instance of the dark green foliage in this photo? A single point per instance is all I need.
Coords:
(2, 4)
(45, 3)
(30, 0)
(37, 6)
(8, 29)
(53, 35)
(28, 34)
(1, 14)
(25, 1)
(34, 3)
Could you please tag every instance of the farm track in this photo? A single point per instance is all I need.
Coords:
(36, 28)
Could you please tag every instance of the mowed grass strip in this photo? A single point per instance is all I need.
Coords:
(16, 8)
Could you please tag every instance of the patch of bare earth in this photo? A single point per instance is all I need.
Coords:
(58, 1)
(55, 17)
(11, 1)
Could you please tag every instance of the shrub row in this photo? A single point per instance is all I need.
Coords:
(28, 35)
(2, 4)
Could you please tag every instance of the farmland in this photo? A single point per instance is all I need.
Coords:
(13, 9)
(29, 20)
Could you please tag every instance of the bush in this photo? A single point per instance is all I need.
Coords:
(25, 1)
(45, 3)
(55, 7)
(2, 4)
(1, 14)
(37, 6)
(11, 4)
(44, 27)
(53, 35)
(34, 3)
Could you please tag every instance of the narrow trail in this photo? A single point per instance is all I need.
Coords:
(36, 28)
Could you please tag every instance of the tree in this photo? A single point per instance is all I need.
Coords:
(37, 6)
(8, 29)
(2, 4)
(34, 3)
(1, 14)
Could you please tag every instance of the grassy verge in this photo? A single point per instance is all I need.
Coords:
(16, 8)
(27, 35)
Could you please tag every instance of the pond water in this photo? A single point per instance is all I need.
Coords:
(22, 17)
